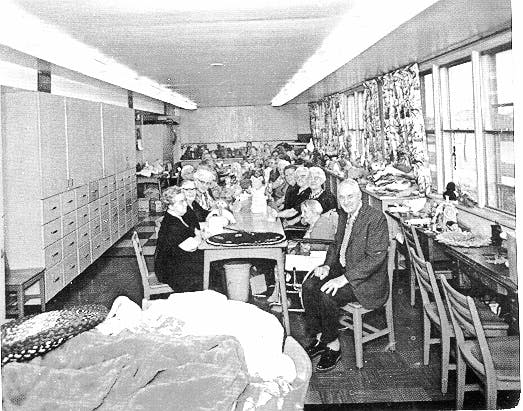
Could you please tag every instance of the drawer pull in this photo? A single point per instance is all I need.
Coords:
(72, 266)
(70, 201)
(71, 243)
(56, 279)
(98, 226)
(54, 208)
(98, 246)
(85, 234)
(55, 254)
(70, 223)
(54, 231)
(86, 256)
(84, 195)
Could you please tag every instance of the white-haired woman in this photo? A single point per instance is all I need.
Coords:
(317, 179)
(302, 193)
(204, 180)
(177, 260)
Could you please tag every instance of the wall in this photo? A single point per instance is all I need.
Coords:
(245, 123)
(157, 144)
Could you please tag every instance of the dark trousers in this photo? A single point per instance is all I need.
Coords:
(322, 309)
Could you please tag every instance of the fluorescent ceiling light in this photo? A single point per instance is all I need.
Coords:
(48, 43)
(365, 24)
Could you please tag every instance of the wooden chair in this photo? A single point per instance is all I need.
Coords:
(435, 312)
(352, 317)
(411, 241)
(495, 361)
(151, 285)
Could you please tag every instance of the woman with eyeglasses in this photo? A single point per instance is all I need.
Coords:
(195, 213)
(302, 193)
(204, 180)
(177, 260)
(326, 199)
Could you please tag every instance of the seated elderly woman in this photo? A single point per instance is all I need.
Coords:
(177, 260)
(204, 179)
(195, 213)
(300, 194)
(321, 226)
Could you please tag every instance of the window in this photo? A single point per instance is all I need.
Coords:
(458, 131)
(427, 101)
(498, 129)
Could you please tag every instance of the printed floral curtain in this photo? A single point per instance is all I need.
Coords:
(328, 124)
(371, 123)
(404, 130)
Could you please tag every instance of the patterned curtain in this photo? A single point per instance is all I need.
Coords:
(371, 121)
(328, 124)
(404, 130)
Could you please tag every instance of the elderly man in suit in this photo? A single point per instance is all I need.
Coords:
(355, 269)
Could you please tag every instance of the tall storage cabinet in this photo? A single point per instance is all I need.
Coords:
(70, 183)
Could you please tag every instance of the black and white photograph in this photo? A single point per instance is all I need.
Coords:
(258, 205)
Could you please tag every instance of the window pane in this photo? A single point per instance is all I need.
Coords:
(498, 84)
(463, 161)
(428, 101)
(461, 98)
(431, 151)
(500, 171)
(360, 109)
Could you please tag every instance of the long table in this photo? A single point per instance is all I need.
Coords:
(252, 222)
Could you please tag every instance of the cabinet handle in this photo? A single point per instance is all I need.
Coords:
(54, 231)
(86, 256)
(56, 279)
(70, 201)
(54, 208)
(55, 254)
(70, 223)
(72, 266)
(71, 243)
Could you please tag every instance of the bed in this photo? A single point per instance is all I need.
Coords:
(175, 354)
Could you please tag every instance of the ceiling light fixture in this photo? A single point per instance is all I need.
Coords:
(217, 64)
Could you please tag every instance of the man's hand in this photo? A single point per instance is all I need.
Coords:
(332, 286)
(322, 271)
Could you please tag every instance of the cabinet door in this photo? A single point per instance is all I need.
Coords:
(52, 144)
(125, 141)
(110, 131)
(84, 139)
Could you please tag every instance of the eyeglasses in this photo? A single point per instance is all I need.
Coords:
(188, 189)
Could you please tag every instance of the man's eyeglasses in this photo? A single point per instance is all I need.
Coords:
(189, 189)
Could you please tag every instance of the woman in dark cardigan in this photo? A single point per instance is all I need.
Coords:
(177, 260)
(195, 214)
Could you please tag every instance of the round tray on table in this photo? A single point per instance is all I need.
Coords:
(245, 238)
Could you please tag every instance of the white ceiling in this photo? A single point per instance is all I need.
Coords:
(262, 44)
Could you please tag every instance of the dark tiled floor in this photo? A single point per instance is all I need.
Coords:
(395, 380)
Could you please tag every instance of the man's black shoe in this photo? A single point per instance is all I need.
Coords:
(328, 360)
(315, 348)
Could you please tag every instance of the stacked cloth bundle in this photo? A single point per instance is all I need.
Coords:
(191, 351)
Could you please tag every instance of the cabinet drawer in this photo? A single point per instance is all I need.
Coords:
(52, 232)
(82, 216)
(68, 201)
(113, 216)
(82, 196)
(105, 222)
(84, 235)
(71, 268)
(113, 196)
(94, 191)
(53, 281)
(114, 233)
(94, 210)
(84, 256)
(53, 254)
(95, 227)
(51, 208)
(69, 244)
(111, 183)
(69, 223)
(96, 247)
(120, 180)
(104, 187)
(106, 240)
(105, 204)
(121, 197)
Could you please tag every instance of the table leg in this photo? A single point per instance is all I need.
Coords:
(206, 270)
(280, 274)
(42, 293)
(20, 300)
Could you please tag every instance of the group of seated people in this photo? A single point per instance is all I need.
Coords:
(355, 268)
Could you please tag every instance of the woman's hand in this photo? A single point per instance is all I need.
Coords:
(332, 286)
